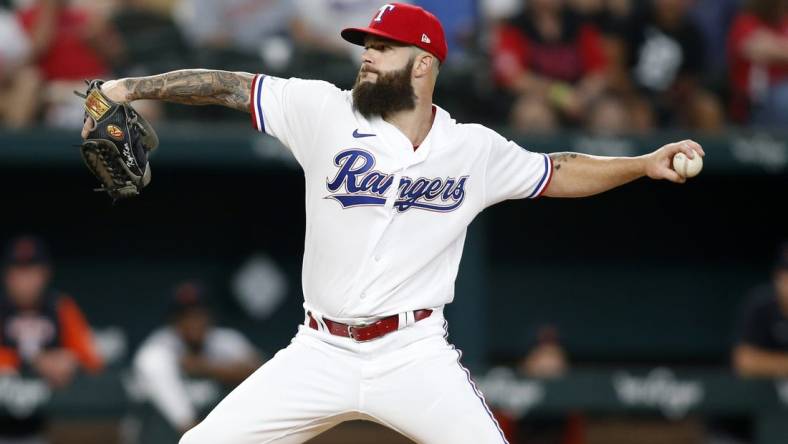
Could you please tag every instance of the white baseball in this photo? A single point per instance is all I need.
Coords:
(687, 167)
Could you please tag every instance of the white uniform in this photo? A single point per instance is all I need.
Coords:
(373, 249)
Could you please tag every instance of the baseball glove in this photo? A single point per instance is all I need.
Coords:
(116, 149)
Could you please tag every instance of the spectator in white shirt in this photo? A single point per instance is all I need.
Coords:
(190, 348)
(244, 25)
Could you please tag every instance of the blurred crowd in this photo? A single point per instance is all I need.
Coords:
(604, 66)
(179, 371)
(759, 350)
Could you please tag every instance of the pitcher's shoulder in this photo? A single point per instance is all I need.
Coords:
(476, 134)
(304, 86)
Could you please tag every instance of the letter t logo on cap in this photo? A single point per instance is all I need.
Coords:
(383, 10)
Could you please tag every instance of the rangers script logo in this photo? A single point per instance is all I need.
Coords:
(357, 184)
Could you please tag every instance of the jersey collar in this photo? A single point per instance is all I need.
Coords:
(399, 146)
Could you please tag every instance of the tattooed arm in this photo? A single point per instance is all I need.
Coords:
(188, 86)
(580, 175)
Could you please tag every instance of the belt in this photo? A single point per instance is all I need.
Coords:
(367, 332)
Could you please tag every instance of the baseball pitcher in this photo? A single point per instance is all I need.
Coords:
(392, 182)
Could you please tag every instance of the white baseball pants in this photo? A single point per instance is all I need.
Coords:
(410, 380)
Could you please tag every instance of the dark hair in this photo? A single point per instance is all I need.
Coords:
(188, 296)
(770, 11)
(26, 250)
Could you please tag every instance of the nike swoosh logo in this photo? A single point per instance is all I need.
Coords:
(358, 135)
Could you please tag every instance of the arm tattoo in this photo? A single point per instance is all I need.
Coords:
(562, 158)
(195, 87)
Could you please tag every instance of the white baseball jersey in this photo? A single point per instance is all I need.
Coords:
(385, 224)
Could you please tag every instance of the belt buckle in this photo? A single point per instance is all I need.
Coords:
(350, 331)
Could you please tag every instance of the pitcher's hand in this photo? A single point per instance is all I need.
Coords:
(660, 162)
(114, 90)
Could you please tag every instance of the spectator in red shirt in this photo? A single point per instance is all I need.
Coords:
(552, 61)
(69, 45)
(758, 54)
(66, 41)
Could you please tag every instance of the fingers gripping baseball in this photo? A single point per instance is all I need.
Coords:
(88, 127)
(661, 164)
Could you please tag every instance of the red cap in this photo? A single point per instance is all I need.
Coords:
(403, 23)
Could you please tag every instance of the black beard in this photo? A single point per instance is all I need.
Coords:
(392, 93)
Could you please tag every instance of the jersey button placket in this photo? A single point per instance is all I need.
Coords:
(391, 198)
(393, 193)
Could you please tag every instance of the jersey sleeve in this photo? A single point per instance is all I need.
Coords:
(9, 358)
(77, 336)
(290, 110)
(513, 172)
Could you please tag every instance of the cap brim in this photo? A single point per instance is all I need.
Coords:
(356, 35)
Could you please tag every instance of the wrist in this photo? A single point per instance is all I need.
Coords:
(642, 164)
(116, 91)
